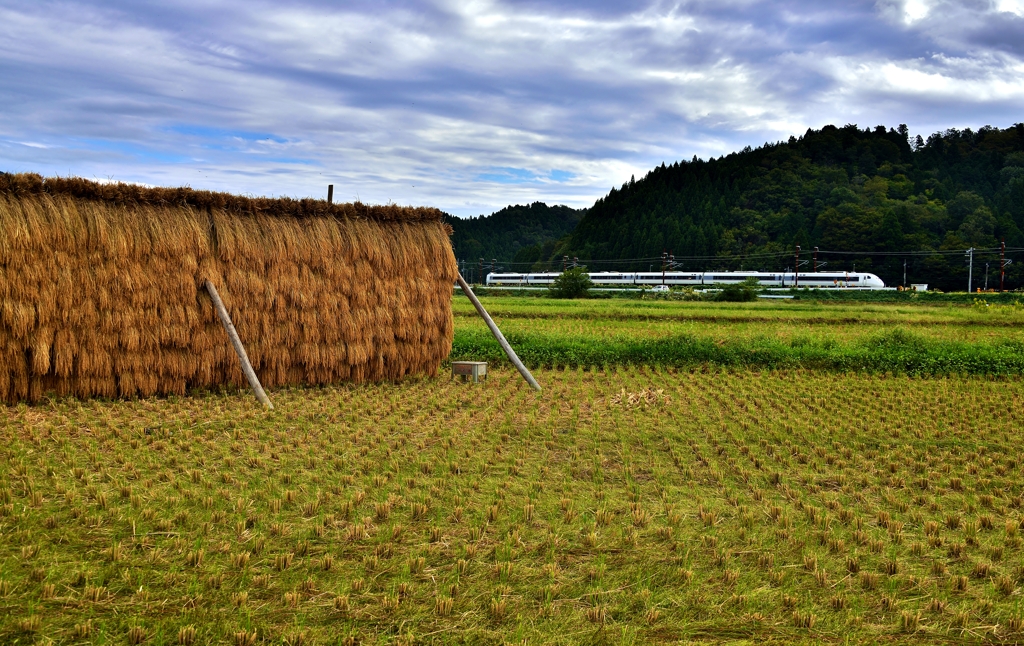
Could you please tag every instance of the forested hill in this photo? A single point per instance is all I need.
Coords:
(842, 189)
(515, 233)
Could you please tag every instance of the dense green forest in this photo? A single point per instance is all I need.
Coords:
(841, 189)
(515, 234)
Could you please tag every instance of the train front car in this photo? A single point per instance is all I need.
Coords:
(871, 281)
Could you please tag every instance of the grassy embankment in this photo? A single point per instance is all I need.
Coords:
(837, 296)
(630, 506)
(905, 338)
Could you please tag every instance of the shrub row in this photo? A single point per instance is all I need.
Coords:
(896, 351)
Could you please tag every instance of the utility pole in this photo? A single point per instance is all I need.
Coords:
(664, 259)
(986, 276)
(796, 268)
(970, 268)
(1002, 264)
(565, 261)
(575, 261)
(481, 277)
(815, 260)
(904, 272)
(494, 263)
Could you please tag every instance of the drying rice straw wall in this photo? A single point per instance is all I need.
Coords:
(101, 289)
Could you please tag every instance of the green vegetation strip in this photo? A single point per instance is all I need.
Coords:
(979, 312)
(896, 351)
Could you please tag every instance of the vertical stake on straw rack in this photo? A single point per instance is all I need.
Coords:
(513, 357)
(330, 193)
(229, 327)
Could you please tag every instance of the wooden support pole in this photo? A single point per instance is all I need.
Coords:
(513, 357)
(229, 327)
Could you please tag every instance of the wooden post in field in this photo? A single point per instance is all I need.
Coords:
(513, 357)
(330, 193)
(229, 327)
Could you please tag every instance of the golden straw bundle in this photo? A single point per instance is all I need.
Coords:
(101, 289)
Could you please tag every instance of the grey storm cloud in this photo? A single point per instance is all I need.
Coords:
(470, 106)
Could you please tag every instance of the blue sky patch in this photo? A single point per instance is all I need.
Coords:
(508, 176)
(222, 133)
(133, 151)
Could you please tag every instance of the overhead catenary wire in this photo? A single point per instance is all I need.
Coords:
(931, 252)
(764, 256)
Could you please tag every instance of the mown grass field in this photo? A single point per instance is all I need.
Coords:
(637, 505)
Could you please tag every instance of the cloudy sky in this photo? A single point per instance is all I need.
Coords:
(471, 105)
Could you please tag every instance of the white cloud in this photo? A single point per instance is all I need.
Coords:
(1011, 6)
(915, 10)
(415, 102)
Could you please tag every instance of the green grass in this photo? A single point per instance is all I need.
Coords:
(842, 337)
(623, 506)
(830, 296)
(811, 313)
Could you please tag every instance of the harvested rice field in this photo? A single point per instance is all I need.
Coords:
(620, 506)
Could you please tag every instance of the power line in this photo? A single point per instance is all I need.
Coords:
(770, 255)
(934, 252)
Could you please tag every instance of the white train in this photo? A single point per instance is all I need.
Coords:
(822, 279)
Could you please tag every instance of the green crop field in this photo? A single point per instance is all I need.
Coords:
(623, 504)
(903, 338)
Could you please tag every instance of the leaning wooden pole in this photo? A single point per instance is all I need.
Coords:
(513, 357)
(250, 374)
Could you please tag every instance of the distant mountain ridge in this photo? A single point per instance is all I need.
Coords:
(519, 233)
(868, 192)
(842, 189)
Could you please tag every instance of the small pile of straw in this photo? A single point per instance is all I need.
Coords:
(101, 289)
